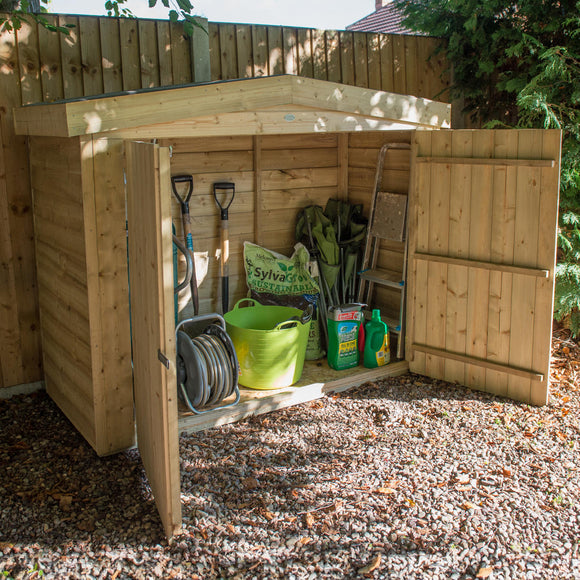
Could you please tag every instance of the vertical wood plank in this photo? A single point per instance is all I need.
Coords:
(131, 63)
(29, 60)
(11, 361)
(164, 54)
(95, 338)
(333, 56)
(258, 195)
(347, 58)
(149, 216)
(549, 188)
(438, 216)
(199, 52)
(260, 50)
(244, 49)
(91, 55)
(361, 73)
(116, 424)
(50, 62)
(479, 249)
(439, 78)
(387, 63)
(399, 72)
(412, 65)
(290, 44)
(502, 252)
(149, 54)
(374, 61)
(343, 166)
(527, 220)
(457, 277)
(111, 55)
(276, 51)
(228, 50)
(319, 55)
(305, 60)
(180, 54)
(420, 243)
(215, 53)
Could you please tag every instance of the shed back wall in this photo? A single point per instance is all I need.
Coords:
(275, 177)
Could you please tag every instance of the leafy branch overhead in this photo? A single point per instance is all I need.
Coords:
(20, 11)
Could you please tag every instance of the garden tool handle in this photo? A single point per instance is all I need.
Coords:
(227, 186)
(186, 221)
(224, 236)
(224, 266)
(188, 265)
(183, 201)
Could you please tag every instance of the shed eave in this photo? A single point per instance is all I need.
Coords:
(128, 112)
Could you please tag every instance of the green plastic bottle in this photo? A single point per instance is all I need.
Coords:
(377, 352)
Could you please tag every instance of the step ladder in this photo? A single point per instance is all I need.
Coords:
(387, 221)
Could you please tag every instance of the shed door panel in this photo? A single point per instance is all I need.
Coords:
(482, 259)
(153, 332)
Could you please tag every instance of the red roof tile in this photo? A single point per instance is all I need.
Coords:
(386, 19)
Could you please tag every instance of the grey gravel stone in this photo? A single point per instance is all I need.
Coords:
(438, 480)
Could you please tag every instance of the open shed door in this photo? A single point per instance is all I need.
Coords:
(482, 253)
(153, 331)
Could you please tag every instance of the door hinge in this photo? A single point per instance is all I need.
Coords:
(163, 359)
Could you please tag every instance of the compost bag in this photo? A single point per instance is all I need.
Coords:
(277, 280)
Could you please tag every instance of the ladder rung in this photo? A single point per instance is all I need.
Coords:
(393, 324)
(384, 277)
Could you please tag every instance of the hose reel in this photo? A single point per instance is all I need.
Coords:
(207, 365)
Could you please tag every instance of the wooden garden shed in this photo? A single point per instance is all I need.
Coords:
(482, 226)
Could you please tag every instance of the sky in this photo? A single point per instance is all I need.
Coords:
(327, 14)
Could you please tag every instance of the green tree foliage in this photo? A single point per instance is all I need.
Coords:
(19, 11)
(519, 65)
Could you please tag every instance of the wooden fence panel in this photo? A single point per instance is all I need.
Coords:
(245, 55)
(149, 54)
(107, 55)
(50, 62)
(111, 55)
(260, 50)
(91, 56)
(29, 61)
(70, 50)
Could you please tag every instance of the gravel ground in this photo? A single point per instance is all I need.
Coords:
(405, 478)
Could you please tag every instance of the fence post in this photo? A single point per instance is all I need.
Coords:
(199, 43)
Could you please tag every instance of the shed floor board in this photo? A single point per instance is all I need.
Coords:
(317, 380)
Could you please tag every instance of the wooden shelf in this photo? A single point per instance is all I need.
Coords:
(317, 380)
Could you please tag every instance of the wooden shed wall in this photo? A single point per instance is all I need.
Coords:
(56, 174)
(81, 252)
(108, 55)
(276, 176)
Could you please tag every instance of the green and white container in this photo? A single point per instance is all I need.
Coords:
(343, 328)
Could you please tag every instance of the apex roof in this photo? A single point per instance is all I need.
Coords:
(279, 104)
